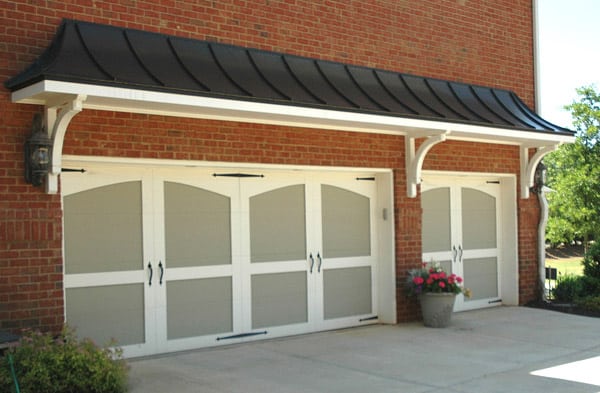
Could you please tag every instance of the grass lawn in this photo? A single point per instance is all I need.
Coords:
(566, 266)
(566, 259)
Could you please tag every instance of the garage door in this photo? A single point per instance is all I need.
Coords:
(462, 231)
(171, 259)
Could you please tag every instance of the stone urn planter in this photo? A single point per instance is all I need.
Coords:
(437, 308)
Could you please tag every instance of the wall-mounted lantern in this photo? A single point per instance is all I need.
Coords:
(539, 178)
(38, 150)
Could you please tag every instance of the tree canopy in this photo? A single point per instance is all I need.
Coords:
(574, 176)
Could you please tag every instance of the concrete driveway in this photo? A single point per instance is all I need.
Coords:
(493, 350)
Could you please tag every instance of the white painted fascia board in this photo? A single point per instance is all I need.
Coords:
(82, 161)
(53, 93)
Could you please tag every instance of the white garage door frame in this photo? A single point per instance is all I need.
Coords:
(386, 283)
(509, 229)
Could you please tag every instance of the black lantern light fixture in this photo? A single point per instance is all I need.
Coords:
(539, 178)
(38, 149)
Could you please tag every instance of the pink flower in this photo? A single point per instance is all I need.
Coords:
(442, 284)
(418, 280)
(442, 274)
(459, 279)
(430, 280)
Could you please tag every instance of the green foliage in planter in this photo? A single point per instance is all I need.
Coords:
(63, 365)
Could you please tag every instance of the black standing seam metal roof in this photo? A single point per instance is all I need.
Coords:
(96, 54)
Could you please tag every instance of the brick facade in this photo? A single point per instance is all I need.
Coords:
(478, 42)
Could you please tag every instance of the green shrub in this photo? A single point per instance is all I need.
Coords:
(590, 286)
(591, 261)
(589, 303)
(568, 288)
(63, 365)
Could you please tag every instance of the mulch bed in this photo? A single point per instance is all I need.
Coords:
(562, 252)
(567, 308)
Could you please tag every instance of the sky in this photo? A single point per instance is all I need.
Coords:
(569, 54)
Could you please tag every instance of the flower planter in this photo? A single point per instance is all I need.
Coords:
(437, 308)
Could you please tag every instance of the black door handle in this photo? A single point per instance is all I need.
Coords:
(150, 279)
(162, 271)
(320, 262)
(312, 262)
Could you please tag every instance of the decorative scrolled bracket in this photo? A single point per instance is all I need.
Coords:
(414, 160)
(528, 166)
(58, 117)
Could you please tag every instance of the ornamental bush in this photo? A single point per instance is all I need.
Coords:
(571, 288)
(591, 286)
(63, 364)
(591, 261)
(568, 288)
(590, 303)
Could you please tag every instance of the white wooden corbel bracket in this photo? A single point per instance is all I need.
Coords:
(58, 116)
(528, 166)
(414, 160)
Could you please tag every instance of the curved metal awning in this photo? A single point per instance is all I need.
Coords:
(104, 67)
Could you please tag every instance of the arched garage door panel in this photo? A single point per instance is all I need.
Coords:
(165, 260)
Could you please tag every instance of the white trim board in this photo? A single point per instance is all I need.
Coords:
(55, 93)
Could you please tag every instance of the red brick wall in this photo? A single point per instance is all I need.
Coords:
(30, 235)
(475, 41)
(529, 216)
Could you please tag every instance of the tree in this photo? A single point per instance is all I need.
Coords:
(574, 176)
